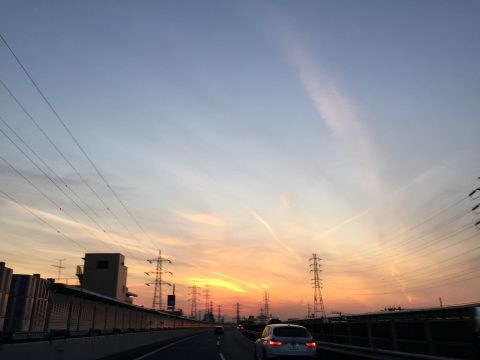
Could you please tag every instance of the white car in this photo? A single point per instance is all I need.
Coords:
(285, 340)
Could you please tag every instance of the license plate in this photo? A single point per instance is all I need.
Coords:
(293, 347)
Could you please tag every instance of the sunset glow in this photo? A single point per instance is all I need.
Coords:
(240, 138)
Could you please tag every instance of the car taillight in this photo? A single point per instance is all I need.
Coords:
(311, 344)
(274, 343)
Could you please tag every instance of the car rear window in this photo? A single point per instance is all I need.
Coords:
(290, 332)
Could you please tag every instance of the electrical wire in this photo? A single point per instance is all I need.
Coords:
(62, 190)
(74, 138)
(414, 250)
(11, 198)
(37, 125)
(451, 205)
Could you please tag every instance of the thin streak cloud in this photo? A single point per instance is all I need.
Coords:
(269, 228)
(203, 218)
(95, 234)
(335, 108)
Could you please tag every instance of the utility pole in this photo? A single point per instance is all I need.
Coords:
(219, 313)
(309, 314)
(238, 313)
(60, 267)
(266, 305)
(194, 300)
(318, 307)
(157, 303)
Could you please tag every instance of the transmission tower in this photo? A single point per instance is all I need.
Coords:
(238, 313)
(158, 282)
(266, 305)
(208, 316)
(207, 301)
(194, 299)
(60, 267)
(318, 307)
(219, 313)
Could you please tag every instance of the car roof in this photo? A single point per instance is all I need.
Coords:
(285, 325)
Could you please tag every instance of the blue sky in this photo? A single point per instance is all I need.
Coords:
(244, 136)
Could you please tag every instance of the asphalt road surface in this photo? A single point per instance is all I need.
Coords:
(204, 346)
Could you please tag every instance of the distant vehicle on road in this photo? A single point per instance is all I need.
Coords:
(240, 327)
(219, 330)
(285, 340)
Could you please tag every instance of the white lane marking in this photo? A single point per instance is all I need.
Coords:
(218, 342)
(165, 347)
(222, 357)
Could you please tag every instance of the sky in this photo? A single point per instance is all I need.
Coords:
(241, 137)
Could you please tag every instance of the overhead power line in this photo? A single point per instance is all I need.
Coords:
(62, 122)
(424, 273)
(61, 189)
(53, 202)
(57, 149)
(452, 204)
(11, 198)
(58, 177)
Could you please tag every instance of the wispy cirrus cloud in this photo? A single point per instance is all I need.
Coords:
(333, 105)
(269, 228)
(203, 218)
(70, 228)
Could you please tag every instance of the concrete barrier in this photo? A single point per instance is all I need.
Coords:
(89, 348)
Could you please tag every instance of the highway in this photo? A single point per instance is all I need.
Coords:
(204, 346)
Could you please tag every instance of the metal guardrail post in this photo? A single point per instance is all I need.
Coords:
(48, 315)
(106, 318)
(349, 332)
(69, 316)
(393, 334)
(369, 334)
(334, 332)
(429, 337)
(80, 311)
(94, 315)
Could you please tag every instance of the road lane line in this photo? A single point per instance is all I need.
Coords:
(165, 347)
(222, 357)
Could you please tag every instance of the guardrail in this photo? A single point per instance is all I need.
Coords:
(426, 334)
(358, 351)
(450, 332)
(368, 353)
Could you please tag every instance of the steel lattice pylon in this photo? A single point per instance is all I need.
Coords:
(194, 300)
(157, 303)
(318, 307)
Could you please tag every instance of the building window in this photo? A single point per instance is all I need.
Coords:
(102, 264)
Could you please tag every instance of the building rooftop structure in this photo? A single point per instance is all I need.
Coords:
(106, 274)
